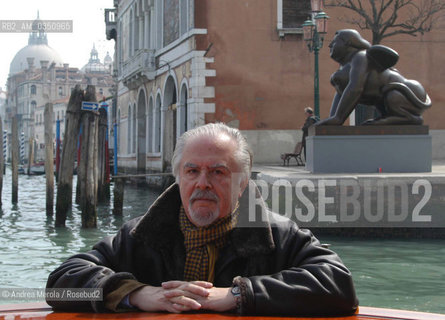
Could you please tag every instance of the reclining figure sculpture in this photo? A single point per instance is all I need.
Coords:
(366, 76)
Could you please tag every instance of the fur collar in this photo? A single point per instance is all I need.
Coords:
(159, 227)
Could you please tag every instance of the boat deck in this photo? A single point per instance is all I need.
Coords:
(40, 311)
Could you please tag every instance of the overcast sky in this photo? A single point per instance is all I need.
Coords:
(74, 48)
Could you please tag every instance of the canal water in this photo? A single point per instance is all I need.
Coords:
(400, 274)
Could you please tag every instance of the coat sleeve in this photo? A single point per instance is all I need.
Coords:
(309, 280)
(95, 269)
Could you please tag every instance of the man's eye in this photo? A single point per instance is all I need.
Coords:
(218, 172)
(192, 171)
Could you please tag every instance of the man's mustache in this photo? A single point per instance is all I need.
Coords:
(203, 195)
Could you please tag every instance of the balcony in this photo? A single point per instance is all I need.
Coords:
(139, 68)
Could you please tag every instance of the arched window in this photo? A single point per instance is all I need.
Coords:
(60, 91)
(150, 125)
(130, 116)
(158, 124)
(133, 130)
(33, 89)
(183, 110)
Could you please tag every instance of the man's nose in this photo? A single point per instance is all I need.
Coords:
(203, 181)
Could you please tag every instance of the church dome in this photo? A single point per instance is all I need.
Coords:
(94, 65)
(37, 49)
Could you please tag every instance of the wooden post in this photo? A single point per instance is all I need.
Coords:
(118, 192)
(15, 160)
(79, 147)
(49, 158)
(30, 154)
(1, 161)
(88, 167)
(103, 192)
(57, 148)
(65, 178)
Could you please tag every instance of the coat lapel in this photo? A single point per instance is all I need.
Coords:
(159, 229)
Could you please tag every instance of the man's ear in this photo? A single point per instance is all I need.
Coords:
(243, 184)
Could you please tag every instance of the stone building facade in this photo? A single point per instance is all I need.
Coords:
(183, 63)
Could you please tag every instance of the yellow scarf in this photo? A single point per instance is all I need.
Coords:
(202, 244)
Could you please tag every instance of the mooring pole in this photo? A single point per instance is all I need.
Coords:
(103, 192)
(2, 162)
(79, 168)
(88, 169)
(57, 147)
(118, 192)
(49, 158)
(30, 154)
(15, 160)
(115, 149)
(65, 179)
(5, 149)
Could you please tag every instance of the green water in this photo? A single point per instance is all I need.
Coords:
(398, 274)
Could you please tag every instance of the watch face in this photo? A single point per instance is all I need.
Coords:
(236, 290)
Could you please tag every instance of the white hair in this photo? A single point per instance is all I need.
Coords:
(243, 154)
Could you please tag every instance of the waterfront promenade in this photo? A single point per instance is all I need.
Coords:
(392, 203)
(293, 171)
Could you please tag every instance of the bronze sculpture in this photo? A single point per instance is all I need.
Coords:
(366, 76)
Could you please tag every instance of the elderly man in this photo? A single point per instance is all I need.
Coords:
(196, 250)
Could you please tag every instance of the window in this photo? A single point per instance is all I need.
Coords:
(133, 130)
(60, 91)
(150, 125)
(184, 16)
(157, 125)
(33, 89)
(101, 91)
(117, 134)
(131, 35)
(291, 14)
(129, 117)
(171, 13)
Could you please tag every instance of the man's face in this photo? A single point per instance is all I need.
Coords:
(209, 179)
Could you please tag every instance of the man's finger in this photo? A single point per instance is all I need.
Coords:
(172, 284)
(186, 303)
(204, 284)
(184, 288)
(177, 293)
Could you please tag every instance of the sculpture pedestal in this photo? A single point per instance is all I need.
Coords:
(368, 149)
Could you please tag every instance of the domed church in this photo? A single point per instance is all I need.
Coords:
(37, 49)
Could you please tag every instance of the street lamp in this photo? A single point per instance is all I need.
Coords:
(313, 33)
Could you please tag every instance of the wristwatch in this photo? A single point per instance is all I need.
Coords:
(236, 292)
